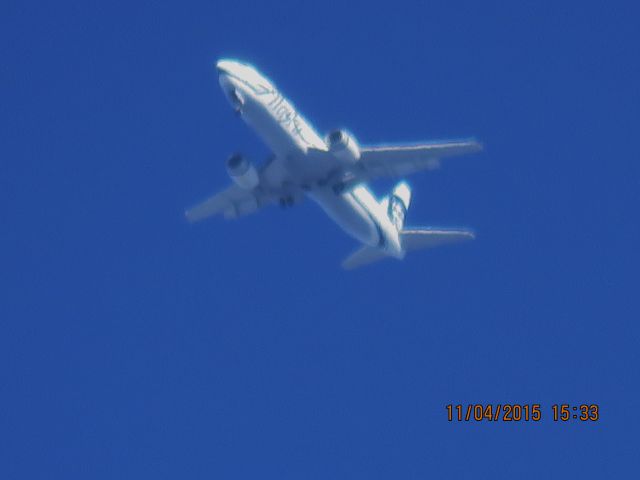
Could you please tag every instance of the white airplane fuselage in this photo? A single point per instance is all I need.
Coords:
(291, 138)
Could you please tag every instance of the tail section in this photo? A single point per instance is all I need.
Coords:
(398, 204)
(429, 237)
(363, 256)
(411, 238)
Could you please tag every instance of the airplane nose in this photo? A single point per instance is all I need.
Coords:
(220, 66)
(225, 66)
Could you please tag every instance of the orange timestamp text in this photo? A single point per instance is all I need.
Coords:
(521, 412)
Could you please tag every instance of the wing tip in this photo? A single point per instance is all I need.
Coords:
(189, 217)
(473, 142)
(467, 234)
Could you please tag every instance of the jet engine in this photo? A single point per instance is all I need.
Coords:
(343, 146)
(242, 172)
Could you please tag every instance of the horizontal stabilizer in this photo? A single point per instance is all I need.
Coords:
(363, 256)
(428, 237)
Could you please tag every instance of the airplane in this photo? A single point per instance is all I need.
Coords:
(332, 172)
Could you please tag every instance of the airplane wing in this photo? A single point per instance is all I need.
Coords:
(235, 201)
(232, 202)
(399, 160)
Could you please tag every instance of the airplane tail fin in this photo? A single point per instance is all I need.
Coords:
(398, 203)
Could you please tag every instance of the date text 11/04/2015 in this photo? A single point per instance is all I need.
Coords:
(521, 412)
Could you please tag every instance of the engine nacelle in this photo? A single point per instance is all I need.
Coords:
(242, 172)
(343, 146)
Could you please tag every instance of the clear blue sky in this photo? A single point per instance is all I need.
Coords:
(134, 345)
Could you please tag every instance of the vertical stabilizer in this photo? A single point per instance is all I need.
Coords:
(398, 204)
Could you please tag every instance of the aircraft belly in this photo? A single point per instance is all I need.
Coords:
(349, 214)
(279, 140)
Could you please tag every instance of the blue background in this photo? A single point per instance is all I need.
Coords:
(134, 345)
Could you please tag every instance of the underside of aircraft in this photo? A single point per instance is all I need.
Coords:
(332, 171)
